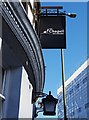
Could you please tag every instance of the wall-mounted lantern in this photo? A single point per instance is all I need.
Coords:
(49, 105)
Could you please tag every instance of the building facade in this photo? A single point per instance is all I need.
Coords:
(77, 94)
(22, 70)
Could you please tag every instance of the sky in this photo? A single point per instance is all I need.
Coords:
(62, 0)
(76, 42)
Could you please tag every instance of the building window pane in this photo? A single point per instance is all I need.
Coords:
(60, 100)
(79, 109)
(1, 89)
(1, 79)
(71, 91)
(84, 80)
(87, 105)
(77, 86)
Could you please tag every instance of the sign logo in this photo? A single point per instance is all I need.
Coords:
(54, 32)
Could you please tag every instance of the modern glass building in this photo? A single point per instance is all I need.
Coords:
(77, 94)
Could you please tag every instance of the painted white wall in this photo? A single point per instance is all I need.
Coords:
(25, 108)
(30, 15)
(32, 3)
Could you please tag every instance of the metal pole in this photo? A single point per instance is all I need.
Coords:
(63, 83)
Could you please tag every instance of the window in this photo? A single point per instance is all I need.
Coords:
(71, 91)
(79, 109)
(1, 79)
(1, 89)
(77, 86)
(72, 114)
(60, 100)
(85, 80)
(87, 105)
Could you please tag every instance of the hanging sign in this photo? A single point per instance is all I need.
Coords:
(52, 32)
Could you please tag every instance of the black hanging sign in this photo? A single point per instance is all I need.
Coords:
(52, 32)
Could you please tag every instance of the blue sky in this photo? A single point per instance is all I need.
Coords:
(63, 0)
(75, 53)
